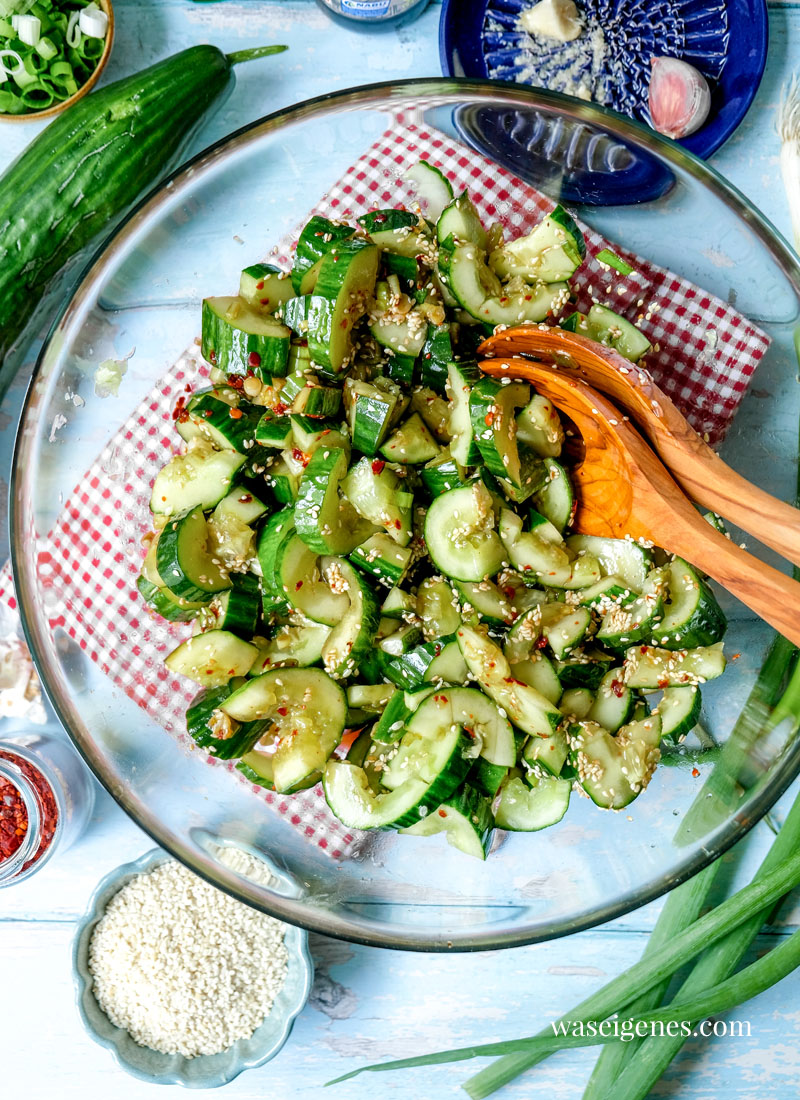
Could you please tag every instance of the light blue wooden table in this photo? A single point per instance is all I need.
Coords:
(369, 1004)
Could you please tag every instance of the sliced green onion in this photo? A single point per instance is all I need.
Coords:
(16, 57)
(34, 64)
(15, 7)
(73, 30)
(29, 29)
(93, 22)
(61, 72)
(611, 259)
(90, 48)
(23, 79)
(38, 96)
(10, 103)
(46, 48)
(6, 30)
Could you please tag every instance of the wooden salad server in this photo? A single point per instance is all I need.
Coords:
(622, 488)
(699, 471)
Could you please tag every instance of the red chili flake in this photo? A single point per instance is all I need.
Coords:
(663, 683)
(188, 387)
(245, 498)
(735, 656)
(179, 413)
(398, 524)
(264, 301)
(300, 456)
(377, 465)
(235, 414)
(344, 323)
(379, 219)
(14, 816)
(542, 642)
(618, 688)
(254, 360)
(489, 419)
(695, 772)
(283, 711)
(442, 813)
(643, 648)
(235, 381)
(260, 284)
(207, 414)
(212, 356)
(280, 408)
(298, 586)
(491, 664)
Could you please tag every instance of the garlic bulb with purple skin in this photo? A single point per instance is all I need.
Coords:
(679, 97)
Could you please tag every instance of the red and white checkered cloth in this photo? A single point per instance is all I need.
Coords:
(89, 565)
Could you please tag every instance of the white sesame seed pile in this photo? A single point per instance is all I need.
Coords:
(182, 967)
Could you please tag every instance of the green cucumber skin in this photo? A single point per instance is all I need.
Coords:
(110, 147)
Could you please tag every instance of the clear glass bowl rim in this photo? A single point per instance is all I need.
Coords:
(294, 911)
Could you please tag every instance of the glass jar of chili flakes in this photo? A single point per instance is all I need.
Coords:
(46, 800)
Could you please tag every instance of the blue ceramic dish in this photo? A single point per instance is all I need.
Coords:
(205, 1071)
(726, 41)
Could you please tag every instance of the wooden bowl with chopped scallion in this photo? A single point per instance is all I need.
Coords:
(52, 53)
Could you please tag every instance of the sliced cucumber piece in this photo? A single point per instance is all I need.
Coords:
(184, 560)
(554, 250)
(542, 554)
(242, 505)
(272, 538)
(212, 659)
(317, 239)
(679, 709)
(300, 581)
(211, 729)
(576, 703)
(239, 608)
(524, 705)
(355, 633)
(614, 702)
(692, 617)
(298, 644)
(609, 592)
(370, 412)
(480, 719)
(653, 669)
(461, 221)
(492, 408)
(564, 627)
(584, 668)
(377, 494)
(398, 604)
(625, 625)
(327, 317)
(466, 820)
(437, 608)
(618, 557)
(538, 672)
(461, 377)
(326, 521)
(609, 328)
(539, 425)
(274, 431)
(442, 473)
(434, 190)
(487, 600)
(201, 477)
(526, 808)
(411, 443)
(556, 500)
(613, 770)
(434, 410)
(460, 534)
(382, 558)
(238, 339)
(305, 710)
(402, 639)
(265, 287)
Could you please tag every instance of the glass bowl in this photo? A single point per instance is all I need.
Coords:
(190, 238)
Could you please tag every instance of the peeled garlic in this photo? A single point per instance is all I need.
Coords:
(679, 97)
(557, 19)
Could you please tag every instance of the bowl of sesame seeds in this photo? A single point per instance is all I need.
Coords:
(182, 983)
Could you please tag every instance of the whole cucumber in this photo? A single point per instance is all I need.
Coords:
(81, 174)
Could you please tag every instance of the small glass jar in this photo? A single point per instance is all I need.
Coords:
(46, 796)
(374, 11)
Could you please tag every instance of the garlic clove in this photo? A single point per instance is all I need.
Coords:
(679, 97)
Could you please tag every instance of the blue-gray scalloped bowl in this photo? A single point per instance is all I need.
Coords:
(206, 1071)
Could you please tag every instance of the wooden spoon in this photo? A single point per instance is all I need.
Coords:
(697, 469)
(623, 489)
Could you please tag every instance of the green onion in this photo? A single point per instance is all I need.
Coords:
(46, 48)
(622, 990)
(611, 259)
(38, 96)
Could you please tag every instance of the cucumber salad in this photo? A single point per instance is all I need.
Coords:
(372, 541)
